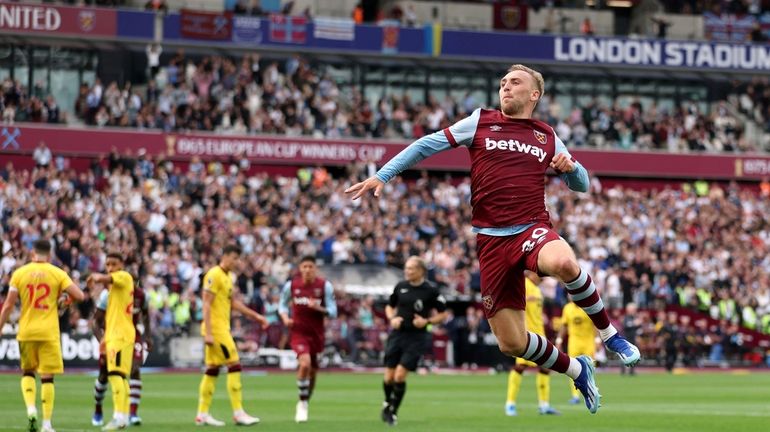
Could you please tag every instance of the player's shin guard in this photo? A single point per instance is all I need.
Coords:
(47, 395)
(206, 390)
(100, 388)
(543, 383)
(545, 354)
(514, 384)
(399, 390)
(29, 391)
(135, 393)
(234, 388)
(584, 293)
(303, 388)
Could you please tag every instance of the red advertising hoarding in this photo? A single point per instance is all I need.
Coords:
(304, 150)
(206, 25)
(44, 19)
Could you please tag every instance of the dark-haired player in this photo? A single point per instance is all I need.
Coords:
(311, 299)
(119, 334)
(141, 318)
(220, 349)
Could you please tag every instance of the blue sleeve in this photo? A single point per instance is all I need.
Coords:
(576, 180)
(331, 304)
(413, 154)
(464, 130)
(461, 133)
(101, 302)
(283, 304)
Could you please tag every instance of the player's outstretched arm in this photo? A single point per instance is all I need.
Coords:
(99, 278)
(359, 189)
(460, 134)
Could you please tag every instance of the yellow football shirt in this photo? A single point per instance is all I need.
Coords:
(220, 283)
(534, 309)
(39, 286)
(119, 323)
(579, 324)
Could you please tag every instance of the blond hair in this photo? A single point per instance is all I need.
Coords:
(420, 263)
(537, 76)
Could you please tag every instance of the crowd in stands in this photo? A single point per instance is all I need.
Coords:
(703, 247)
(254, 96)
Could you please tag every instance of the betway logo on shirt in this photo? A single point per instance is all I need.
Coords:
(304, 301)
(515, 145)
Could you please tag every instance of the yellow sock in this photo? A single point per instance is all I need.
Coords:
(206, 393)
(575, 392)
(47, 395)
(127, 398)
(118, 393)
(234, 390)
(28, 391)
(514, 384)
(543, 383)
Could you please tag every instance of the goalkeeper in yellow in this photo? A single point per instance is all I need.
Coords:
(582, 337)
(534, 319)
(41, 287)
(220, 350)
(119, 334)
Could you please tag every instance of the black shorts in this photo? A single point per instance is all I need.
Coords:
(406, 349)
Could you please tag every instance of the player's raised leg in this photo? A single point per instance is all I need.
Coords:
(514, 340)
(557, 259)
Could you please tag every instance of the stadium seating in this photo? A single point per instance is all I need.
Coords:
(174, 223)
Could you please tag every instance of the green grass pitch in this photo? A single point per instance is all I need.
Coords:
(351, 402)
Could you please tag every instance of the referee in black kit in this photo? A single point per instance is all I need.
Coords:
(410, 311)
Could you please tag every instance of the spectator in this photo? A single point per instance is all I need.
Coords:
(42, 155)
(154, 51)
(587, 27)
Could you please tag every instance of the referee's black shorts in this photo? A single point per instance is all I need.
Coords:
(406, 349)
